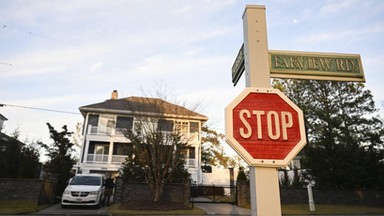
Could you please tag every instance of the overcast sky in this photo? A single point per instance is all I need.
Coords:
(63, 54)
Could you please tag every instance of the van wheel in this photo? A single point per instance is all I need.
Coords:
(98, 205)
(64, 206)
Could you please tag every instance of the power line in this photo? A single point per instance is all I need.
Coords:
(5, 63)
(66, 42)
(41, 109)
(49, 38)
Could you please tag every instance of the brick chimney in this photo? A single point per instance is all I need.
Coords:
(114, 95)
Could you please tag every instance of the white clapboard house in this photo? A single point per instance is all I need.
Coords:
(105, 147)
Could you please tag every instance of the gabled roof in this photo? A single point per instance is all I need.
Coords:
(3, 117)
(142, 106)
(5, 138)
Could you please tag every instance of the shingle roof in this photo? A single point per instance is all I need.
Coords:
(5, 138)
(3, 117)
(141, 106)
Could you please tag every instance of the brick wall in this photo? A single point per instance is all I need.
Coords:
(242, 192)
(125, 192)
(42, 191)
(16, 189)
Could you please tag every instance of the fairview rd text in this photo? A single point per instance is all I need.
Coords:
(311, 65)
(315, 63)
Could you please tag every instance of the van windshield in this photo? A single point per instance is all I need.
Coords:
(86, 180)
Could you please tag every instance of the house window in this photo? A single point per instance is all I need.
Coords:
(194, 127)
(93, 120)
(145, 126)
(96, 147)
(191, 156)
(191, 152)
(123, 125)
(124, 122)
(122, 148)
(181, 127)
(165, 125)
(106, 124)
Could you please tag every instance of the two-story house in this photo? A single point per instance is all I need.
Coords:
(105, 147)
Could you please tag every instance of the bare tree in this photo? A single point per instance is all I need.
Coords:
(159, 145)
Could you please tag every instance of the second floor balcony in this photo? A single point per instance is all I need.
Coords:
(119, 159)
(120, 132)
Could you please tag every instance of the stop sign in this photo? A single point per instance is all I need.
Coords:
(265, 127)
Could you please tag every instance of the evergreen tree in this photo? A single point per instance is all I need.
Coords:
(60, 161)
(18, 159)
(241, 175)
(30, 165)
(10, 155)
(345, 137)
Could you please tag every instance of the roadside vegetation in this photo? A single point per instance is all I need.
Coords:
(19, 206)
(345, 134)
(303, 209)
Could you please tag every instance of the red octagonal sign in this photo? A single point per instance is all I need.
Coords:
(265, 127)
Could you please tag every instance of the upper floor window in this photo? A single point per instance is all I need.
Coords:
(181, 127)
(165, 125)
(106, 123)
(193, 127)
(124, 122)
(93, 120)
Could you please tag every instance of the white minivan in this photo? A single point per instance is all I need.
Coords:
(84, 189)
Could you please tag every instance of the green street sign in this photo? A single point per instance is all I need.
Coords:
(315, 65)
(238, 66)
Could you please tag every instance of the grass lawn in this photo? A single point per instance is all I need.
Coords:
(286, 210)
(330, 209)
(19, 206)
(115, 209)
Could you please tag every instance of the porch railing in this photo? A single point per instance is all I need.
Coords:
(119, 159)
(103, 158)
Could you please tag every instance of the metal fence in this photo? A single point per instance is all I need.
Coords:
(213, 194)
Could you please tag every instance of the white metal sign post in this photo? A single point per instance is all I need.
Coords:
(257, 108)
(264, 183)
